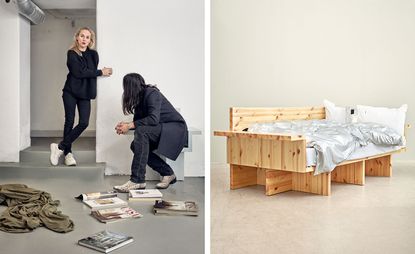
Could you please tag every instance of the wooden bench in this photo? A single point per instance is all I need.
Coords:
(278, 161)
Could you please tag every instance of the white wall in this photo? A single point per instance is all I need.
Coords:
(24, 83)
(50, 41)
(9, 85)
(14, 85)
(162, 40)
(296, 53)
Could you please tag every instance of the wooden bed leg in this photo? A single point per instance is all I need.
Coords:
(353, 173)
(379, 166)
(242, 176)
(277, 181)
(308, 182)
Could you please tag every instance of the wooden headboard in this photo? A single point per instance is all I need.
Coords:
(241, 118)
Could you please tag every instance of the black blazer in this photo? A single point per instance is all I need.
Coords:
(81, 80)
(155, 109)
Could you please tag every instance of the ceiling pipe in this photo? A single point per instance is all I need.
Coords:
(31, 11)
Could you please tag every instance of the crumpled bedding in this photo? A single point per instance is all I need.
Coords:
(29, 208)
(333, 142)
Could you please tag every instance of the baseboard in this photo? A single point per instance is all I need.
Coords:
(195, 174)
(58, 133)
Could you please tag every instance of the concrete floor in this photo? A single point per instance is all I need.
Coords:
(152, 234)
(378, 217)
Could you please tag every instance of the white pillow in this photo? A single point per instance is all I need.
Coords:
(334, 113)
(392, 117)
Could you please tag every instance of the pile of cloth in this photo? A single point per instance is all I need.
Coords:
(28, 208)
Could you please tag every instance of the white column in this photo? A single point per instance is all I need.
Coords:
(164, 41)
(9, 83)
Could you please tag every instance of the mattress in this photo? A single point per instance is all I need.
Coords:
(361, 152)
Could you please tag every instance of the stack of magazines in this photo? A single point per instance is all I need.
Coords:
(145, 195)
(176, 207)
(115, 214)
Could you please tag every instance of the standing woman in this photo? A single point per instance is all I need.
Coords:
(80, 87)
(157, 126)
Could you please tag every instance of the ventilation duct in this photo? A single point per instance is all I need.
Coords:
(31, 11)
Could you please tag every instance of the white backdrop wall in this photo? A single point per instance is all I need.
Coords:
(24, 83)
(14, 76)
(296, 53)
(50, 41)
(162, 40)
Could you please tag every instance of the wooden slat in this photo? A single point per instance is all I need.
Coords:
(244, 120)
(307, 182)
(353, 173)
(379, 166)
(241, 118)
(326, 186)
(277, 181)
(276, 113)
(242, 176)
(279, 117)
(234, 150)
(230, 119)
(243, 151)
(249, 151)
(244, 111)
(271, 153)
(276, 161)
(228, 150)
(271, 136)
(293, 156)
(266, 152)
(261, 174)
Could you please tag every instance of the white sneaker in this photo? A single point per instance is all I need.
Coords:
(55, 153)
(130, 186)
(70, 160)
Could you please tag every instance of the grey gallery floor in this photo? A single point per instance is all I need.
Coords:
(378, 217)
(151, 233)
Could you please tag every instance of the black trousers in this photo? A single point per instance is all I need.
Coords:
(146, 139)
(70, 134)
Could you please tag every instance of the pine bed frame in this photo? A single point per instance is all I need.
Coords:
(278, 161)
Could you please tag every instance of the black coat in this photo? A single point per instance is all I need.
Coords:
(81, 80)
(155, 109)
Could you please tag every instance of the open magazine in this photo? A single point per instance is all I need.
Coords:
(102, 200)
(97, 195)
(104, 203)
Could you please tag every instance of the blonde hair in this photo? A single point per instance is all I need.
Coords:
(75, 44)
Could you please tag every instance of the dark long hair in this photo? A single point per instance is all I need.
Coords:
(133, 85)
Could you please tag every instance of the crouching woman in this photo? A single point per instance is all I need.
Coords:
(158, 127)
